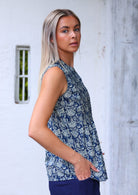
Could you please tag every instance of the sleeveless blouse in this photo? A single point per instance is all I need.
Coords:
(71, 121)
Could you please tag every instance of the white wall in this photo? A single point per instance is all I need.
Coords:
(22, 170)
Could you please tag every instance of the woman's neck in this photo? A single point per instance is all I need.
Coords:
(68, 59)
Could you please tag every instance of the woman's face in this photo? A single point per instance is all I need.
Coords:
(68, 35)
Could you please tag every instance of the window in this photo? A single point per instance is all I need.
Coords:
(22, 74)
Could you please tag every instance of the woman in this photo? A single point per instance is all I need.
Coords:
(62, 121)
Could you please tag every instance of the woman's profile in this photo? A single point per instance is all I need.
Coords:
(62, 120)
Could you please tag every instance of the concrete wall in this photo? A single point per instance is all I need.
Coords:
(124, 107)
(22, 170)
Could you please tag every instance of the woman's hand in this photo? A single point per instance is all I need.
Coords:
(83, 168)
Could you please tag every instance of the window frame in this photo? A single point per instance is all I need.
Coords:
(23, 75)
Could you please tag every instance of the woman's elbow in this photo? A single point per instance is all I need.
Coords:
(31, 131)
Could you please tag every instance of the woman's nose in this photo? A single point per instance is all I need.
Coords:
(73, 34)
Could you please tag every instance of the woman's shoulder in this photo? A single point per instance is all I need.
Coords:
(54, 72)
(53, 79)
(53, 68)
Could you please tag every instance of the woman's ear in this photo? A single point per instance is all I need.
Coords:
(51, 38)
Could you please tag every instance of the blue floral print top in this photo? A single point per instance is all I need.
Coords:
(72, 122)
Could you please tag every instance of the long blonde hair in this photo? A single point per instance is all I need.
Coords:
(49, 51)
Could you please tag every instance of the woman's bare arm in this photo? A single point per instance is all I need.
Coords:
(53, 85)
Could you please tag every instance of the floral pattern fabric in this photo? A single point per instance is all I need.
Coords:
(72, 122)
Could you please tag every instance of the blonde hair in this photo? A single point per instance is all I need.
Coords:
(49, 51)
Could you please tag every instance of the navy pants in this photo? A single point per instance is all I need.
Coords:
(74, 187)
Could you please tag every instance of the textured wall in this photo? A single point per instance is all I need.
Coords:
(124, 134)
